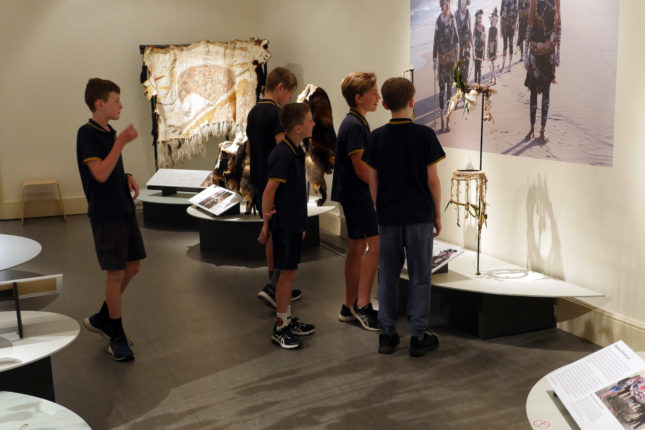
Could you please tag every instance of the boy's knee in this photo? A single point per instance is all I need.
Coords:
(133, 267)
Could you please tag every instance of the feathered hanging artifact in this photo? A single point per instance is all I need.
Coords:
(469, 94)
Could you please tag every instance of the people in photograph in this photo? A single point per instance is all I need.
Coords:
(508, 14)
(464, 32)
(110, 193)
(444, 55)
(492, 45)
(350, 188)
(264, 131)
(542, 56)
(479, 43)
(284, 205)
(404, 183)
(523, 21)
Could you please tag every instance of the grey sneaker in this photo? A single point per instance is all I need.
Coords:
(120, 349)
(345, 314)
(366, 316)
(299, 328)
(95, 325)
(285, 339)
(267, 295)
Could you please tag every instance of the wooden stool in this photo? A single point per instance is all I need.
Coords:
(39, 182)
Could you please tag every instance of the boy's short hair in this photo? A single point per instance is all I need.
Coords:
(397, 92)
(356, 83)
(281, 75)
(293, 114)
(99, 89)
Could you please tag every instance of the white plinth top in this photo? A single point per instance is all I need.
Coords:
(20, 411)
(544, 410)
(500, 277)
(15, 250)
(312, 210)
(154, 196)
(44, 334)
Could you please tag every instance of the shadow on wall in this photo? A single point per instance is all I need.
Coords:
(544, 250)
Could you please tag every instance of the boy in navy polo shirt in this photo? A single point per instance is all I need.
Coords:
(264, 131)
(117, 238)
(404, 184)
(285, 218)
(350, 189)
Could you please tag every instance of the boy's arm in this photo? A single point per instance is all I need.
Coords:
(133, 185)
(435, 193)
(360, 168)
(268, 209)
(373, 182)
(102, 169)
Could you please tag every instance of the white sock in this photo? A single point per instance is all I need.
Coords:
(281, 319)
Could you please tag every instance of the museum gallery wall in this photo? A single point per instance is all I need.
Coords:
(585, 221)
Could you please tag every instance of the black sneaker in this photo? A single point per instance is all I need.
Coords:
(285, 339)
(387, 343)
(120, 349)
(365, 316)
(345, 314)
(267, 295)
(419, 348)
(299, 328)
(95, 325)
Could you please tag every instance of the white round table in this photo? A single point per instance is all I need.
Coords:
(545, 411)
(18, 411)
(25, 364)
(15, 250)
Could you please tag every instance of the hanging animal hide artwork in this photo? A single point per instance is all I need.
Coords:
(322, 144)
(201, 90)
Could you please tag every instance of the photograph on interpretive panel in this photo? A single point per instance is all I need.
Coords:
(551, 64)
(626, 401)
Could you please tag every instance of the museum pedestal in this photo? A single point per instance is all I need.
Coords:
(237, 235)
(166, 210)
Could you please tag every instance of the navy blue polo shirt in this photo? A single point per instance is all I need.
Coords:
(286, 165)
(401, 152)
(262, 127)
(352, 138)
(110, 198)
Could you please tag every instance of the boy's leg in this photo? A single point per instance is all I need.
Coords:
(353, 262)
(283, 290)
(391, 258)
(369, 265)
(418, 239)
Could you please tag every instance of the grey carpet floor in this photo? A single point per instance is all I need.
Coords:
(204, 357)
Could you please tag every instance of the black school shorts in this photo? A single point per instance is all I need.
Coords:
(360, 217)
(117, 240)
(286, 249)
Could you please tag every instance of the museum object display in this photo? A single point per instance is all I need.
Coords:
(200, 90)
(319, 149)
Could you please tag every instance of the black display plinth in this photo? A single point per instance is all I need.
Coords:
(34, 379)
(240, 238)
(166, 215)
(486, 315)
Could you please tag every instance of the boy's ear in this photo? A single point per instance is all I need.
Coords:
(385, 105)
(356, 99)
(411, 102)
(98, 104)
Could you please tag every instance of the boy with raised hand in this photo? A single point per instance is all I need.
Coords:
(404, 184)
(264, 131)
(350, 189)
(117, 238)
(285, 218)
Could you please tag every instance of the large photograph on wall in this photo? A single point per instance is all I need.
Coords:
(552, 63)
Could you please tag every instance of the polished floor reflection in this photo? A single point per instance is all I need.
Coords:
(204, 357)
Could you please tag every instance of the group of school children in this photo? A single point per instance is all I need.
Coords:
(386, 182)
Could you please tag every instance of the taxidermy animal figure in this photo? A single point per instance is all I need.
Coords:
(232, 169)
(320, 147)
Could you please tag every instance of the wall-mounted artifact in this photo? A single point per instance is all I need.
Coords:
(200, 90)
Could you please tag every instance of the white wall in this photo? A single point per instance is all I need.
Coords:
(580, 223)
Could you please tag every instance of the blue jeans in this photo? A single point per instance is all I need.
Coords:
(397, 242)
